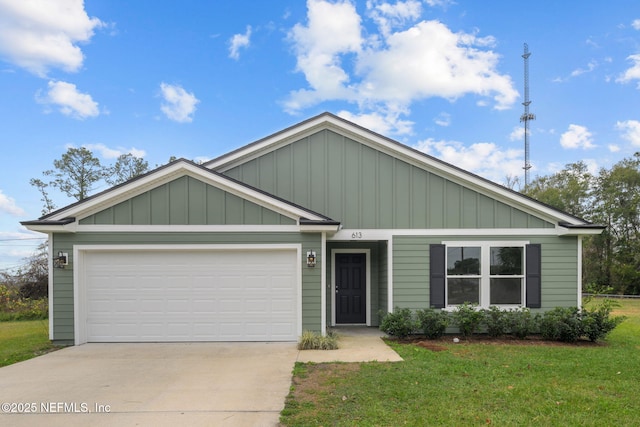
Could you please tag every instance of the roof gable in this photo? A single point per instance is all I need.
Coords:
(312, 145)
(132, 202)
(186, 201)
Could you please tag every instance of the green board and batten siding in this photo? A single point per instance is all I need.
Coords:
(366, 189)
(187, 201)
(63, 289)
(411, 269)
(184, 201)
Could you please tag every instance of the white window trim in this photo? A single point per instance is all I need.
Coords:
(485, 276)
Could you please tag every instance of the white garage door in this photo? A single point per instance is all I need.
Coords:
(191, 295)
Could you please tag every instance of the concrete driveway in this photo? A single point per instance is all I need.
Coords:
(196, 384)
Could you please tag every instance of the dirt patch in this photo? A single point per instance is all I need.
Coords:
(311, 388)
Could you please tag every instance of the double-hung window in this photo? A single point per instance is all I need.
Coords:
(485, 273)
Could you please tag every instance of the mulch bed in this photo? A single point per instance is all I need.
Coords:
(438, 344)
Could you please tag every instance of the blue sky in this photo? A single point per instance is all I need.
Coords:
(196, 79)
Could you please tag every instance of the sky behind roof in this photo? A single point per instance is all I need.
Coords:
(196, 79)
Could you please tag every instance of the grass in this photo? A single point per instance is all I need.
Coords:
(478, 384)
(22, 340)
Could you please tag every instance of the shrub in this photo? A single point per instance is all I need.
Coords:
(34, 290)
(13, 307)
(562, 324)
(522, 322)
(310, 340)
(433, 322)
(400, 323)
(468, 318)
(497, 321)
(597, 322)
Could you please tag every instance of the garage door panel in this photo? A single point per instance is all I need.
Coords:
(191, 296)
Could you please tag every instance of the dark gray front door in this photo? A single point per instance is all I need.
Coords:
(351, 288)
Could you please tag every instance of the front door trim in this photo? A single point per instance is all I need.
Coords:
(332, 289)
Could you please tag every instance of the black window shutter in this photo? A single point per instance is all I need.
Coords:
(437, 275)
(533, 280)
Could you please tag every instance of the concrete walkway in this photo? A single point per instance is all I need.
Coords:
(356, 344)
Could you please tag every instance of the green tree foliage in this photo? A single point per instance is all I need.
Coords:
(78, 172)
(611, 198)
(127, 167)
(567, 190)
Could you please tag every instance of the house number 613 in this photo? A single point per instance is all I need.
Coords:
(356, 235)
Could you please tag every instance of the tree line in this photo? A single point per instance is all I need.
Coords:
(611, 260)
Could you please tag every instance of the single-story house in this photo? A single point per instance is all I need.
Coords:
(324, 223)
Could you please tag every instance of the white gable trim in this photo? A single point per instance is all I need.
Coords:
(387, 146)
(179, 169)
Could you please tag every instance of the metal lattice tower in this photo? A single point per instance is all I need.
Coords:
(526, 116)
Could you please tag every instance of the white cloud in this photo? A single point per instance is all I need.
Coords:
(429, 60)
(636, 24)
(239, 41)
(590, 67)
(577, 137)
(613, 148)
(41, 34)
(632, 73)
(389, 71)
(113, 153)
(434, 3)
(388, 16)
(318, 56)
(630, 130)
(517, 134)
(8, 205)
(179, 105)
(484, 158)
(69, 101)
(382, 123)
(443, 119)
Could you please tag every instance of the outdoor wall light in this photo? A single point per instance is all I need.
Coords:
(311, 259)
(61, 260)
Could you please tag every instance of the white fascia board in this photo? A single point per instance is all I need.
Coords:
(172, 172)
(387, 234)
(53, 228)
(395, 150)
(169, 228)
(563, 231)
(319, 228)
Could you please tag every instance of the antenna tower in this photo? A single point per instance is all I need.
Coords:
(526, 116)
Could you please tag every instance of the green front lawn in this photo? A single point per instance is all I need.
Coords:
(479, 384)
(22, 340)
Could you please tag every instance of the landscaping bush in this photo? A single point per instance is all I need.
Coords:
(496, 321)
(433, 322)
(399, 324)
(468, 318)
(562, 324)
(597, 322)
(522, 322)
(310, 340)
